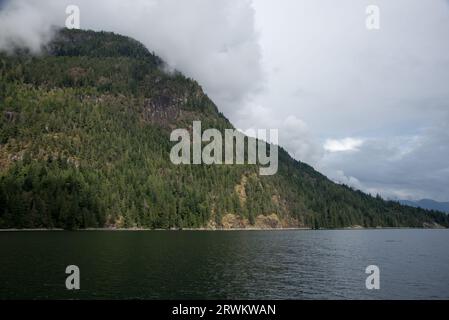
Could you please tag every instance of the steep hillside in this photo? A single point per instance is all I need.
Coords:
(84, 142)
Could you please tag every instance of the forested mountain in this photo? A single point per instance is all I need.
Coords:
(85, 142)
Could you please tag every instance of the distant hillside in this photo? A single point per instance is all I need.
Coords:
(427, 204)
(84, 142)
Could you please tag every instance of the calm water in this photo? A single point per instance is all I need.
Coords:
(414, 264)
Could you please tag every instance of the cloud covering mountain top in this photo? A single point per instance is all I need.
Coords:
(214, 42)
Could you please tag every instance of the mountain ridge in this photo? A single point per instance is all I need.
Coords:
(84, 143)
(428, 204)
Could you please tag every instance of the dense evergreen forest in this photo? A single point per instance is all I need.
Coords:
(85, 142)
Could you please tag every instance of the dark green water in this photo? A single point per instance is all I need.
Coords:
(414, 264)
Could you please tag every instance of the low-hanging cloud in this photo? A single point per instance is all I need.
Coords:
(22, 26)
(214, 42)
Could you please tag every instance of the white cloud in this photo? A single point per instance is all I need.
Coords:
(346, 144)
(21, 26)
(294, 134)
(339, 176)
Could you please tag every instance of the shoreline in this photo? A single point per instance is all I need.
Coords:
(213, 230)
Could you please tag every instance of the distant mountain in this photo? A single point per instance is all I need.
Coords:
(85, 142)
(427, 204)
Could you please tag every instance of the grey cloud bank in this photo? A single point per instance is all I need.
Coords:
(385, 89)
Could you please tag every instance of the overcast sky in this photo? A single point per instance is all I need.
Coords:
(369, 108)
